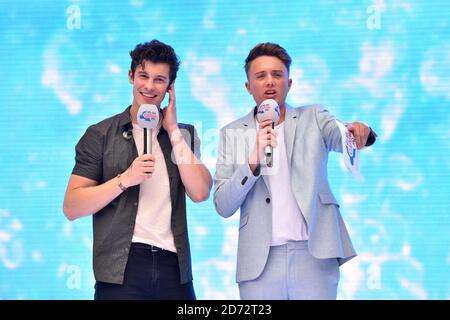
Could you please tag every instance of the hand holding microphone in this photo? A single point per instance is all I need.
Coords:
(141, 169)
(144, 165)
(268, 116)
(265, 137)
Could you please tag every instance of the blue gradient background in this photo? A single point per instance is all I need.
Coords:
(58, 79)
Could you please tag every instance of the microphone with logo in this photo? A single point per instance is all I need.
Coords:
(148, 119)
(268, 110)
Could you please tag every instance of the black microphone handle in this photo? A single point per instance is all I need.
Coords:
(269, 157)
(269, 153)
(147, 140)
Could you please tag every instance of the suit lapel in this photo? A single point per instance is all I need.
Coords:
(290, 128)
(248, 123)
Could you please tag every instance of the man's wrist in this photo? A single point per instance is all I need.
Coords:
(120, 184)
(255, 169)
(173, 129)
(371, 138)
(175, 136)
(254, 164)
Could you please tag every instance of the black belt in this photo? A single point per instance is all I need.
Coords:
(139, 245)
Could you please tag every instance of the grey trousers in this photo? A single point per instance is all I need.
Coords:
(292, 273)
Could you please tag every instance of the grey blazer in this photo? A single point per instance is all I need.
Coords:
(310, 134)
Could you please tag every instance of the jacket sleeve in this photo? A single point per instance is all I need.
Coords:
(233, 178)
(329, 129)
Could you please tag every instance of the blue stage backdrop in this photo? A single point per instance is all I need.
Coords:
(386, 63)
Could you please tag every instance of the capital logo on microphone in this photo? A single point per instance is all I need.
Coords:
(349, 147)
(263, 108)
(148, 116)
(277, 110)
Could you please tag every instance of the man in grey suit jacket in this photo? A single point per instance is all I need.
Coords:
(292, 238)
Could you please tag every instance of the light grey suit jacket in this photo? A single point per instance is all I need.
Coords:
(310, 134)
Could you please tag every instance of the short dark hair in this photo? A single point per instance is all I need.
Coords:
(156, 52)
(268, 49)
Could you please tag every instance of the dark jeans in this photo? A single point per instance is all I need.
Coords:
(149, 274)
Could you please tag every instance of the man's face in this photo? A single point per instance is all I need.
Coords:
(150, 83)
(268, 78)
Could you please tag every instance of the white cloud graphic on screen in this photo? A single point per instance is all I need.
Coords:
(435, 72)
(208, 20)
(222, 267)
(11, 247)
(375, 64)
(307, 80)
(375, 69)
(60, 76)
(209, 87)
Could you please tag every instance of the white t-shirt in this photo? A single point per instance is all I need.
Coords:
(288, 222)
(153, 221)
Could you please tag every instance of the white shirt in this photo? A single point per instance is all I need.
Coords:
(288, 222)
(153, 220)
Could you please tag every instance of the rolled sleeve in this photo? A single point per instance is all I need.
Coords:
(197, 152)
(88, 158)
(189, 134)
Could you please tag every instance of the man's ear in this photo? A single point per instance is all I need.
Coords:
(247, 86)
(170, 86)
(289, 84)
(130, 76)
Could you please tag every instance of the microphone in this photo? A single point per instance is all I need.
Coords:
(268, 110)
(148, 118)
